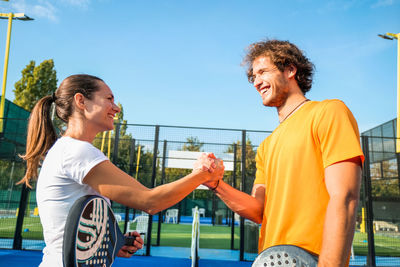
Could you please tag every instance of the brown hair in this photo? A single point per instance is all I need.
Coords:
(282, 54)
(41, 133)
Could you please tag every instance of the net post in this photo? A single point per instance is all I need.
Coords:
(195, 238)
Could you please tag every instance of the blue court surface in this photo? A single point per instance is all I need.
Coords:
(182, 219)
(25, 258)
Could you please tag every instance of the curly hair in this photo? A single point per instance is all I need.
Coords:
(282, 54)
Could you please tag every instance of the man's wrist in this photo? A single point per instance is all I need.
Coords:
(213, 186)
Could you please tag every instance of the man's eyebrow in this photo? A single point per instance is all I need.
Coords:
(260, 70)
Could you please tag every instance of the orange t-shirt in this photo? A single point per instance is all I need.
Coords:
(291, 162)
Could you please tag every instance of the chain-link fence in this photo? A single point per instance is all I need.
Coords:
(149, 153)
(378, 233)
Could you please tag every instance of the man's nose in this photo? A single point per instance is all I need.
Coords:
(257, 82)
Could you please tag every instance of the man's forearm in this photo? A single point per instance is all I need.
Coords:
(245, 205)
(338, 232)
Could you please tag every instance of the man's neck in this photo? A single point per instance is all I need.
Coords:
(291, 105)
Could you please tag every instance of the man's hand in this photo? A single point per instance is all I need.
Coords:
(211, 166)
(128, 251)
(217, 165)
(205, 163)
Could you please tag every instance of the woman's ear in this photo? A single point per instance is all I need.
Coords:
(79, 101)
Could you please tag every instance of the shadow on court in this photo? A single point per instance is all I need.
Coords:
(25, 258)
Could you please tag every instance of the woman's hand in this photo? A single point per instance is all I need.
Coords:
(212, 167)
(128, 251)
(205, 163)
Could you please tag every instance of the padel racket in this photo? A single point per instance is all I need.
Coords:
(92, 236)
(285, 256)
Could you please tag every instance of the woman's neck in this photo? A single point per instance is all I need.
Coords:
(77, 129)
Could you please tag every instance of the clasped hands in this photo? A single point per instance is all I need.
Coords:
(212, 167)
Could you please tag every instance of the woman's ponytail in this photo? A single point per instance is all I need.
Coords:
(41, 136)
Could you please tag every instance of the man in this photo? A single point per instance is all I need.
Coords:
(308, 175)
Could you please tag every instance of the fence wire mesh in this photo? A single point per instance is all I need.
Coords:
(132, 148)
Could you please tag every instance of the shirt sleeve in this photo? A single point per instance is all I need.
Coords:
(260, 173)
(337, 134)
(80, 158)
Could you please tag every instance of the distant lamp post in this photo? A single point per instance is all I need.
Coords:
(392, 36)
(10, 17)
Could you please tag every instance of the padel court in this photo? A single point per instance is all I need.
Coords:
(150, 153)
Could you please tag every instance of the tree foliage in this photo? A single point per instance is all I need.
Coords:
(249, 161)
(36, 82)
(385, 179)
(192, 144)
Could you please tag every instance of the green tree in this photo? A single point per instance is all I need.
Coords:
(192, 144)
(250, 164)
(36, 82)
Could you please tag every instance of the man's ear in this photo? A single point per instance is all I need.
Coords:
(291, 71)
(79, 101)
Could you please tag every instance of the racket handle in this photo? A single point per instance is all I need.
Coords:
(129, 240)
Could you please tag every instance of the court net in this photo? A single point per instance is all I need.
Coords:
(195, 238)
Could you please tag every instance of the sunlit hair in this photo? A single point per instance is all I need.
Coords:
(41, 133)
(282, 54)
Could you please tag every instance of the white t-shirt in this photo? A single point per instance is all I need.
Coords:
(59, 186)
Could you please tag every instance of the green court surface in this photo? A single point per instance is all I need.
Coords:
(385, 245)
(172, 235)
(213, 237)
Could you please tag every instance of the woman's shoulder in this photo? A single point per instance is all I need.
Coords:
(77, 148)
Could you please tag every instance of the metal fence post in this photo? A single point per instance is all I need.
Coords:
(242, 237)
(234, 186)
(213, 209)
(368, 203)
(153, 183)
(398, 168)
(130, 172)
(116, 142)
(160, 214)
(115, 150)
(17, 244)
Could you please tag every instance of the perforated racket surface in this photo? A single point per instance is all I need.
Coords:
(285, 256)
(92, 236)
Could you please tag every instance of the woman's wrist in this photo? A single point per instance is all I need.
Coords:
(200, 175)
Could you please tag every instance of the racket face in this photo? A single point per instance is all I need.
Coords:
(96, 237)
(285, 256)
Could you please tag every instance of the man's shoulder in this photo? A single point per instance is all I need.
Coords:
(329, 102)
(329, 105)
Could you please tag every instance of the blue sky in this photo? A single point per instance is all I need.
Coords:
(178, 62)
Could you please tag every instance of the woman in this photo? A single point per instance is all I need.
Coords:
(73, 167)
